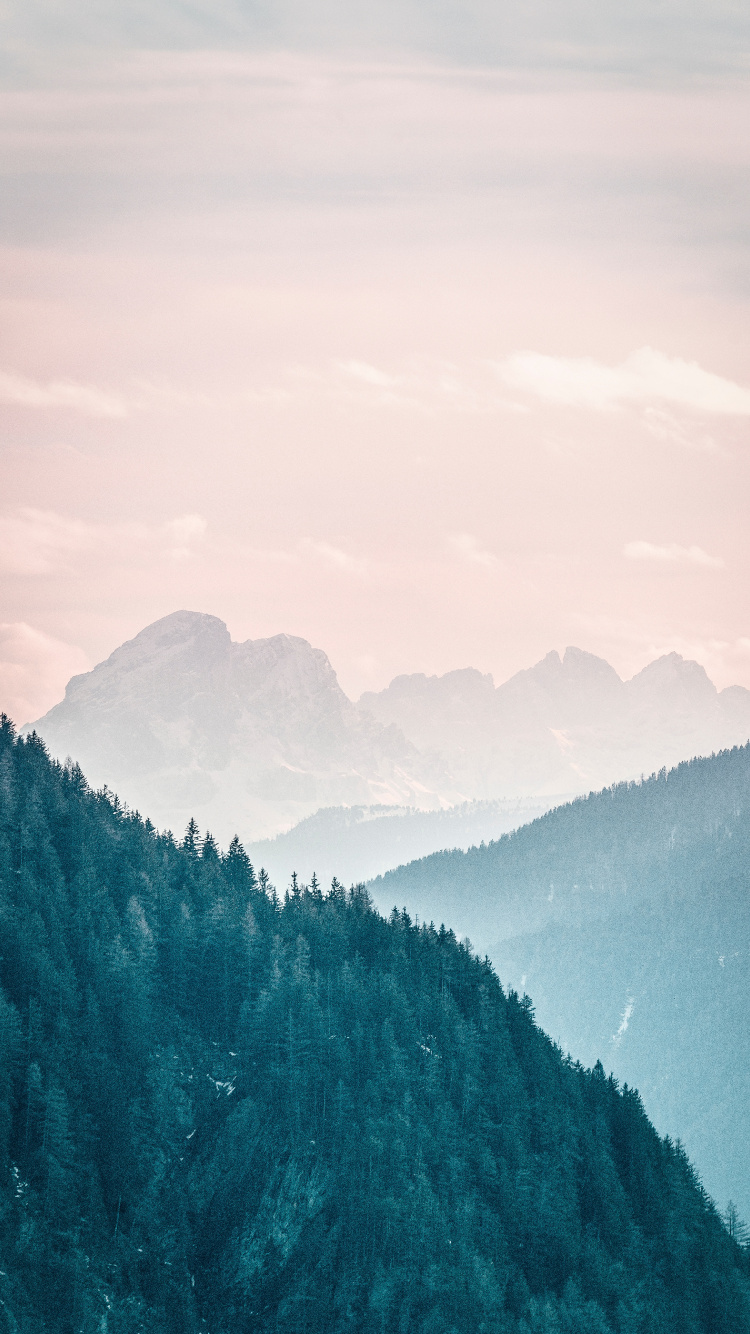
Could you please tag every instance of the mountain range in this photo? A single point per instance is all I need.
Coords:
(257, 736)
(567, 724)
(626, 917)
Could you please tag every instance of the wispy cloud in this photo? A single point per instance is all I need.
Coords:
(427, 385)
(468, 548)
(644, 377)
(671, 554)
(35, 541)
(335, 556)
(40, 542)
(183, 533)
(20, 391)
(686, 431)
(367, 374)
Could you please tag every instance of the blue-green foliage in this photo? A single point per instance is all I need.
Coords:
(220, 1113)
(631, 905)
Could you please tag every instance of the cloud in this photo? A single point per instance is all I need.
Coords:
(341, 560)
(671, 554)
(688, 432)
(34, 670)
(521, 33)
(38, 541)
(19, 391)
(34, 542)
(183, 532)
(645, 376)
(467, 547)
(427, 384)
(361, 370)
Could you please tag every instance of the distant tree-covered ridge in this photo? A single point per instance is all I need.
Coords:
(626, 915)
(597, 854)
(220, 1113)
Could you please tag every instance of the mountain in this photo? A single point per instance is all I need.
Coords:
(181, 720)
(626, 916)
(257, 737)
(565, 725)
(360, 842)
(221, 1113)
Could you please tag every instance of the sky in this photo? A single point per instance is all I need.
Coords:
(418, 330)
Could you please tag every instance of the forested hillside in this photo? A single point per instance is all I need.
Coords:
(626, 916)
(220, 1113)
(589, 857)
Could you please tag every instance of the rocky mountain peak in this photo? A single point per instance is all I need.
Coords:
(180, 720)
(684, 682)
(173, 651)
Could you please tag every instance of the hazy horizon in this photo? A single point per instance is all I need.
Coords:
(422, 337)
(560, 651)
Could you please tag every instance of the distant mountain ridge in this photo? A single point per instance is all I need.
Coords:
(565, 725)
(358, 843)
(255, 737)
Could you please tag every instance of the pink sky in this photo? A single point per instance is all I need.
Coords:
(433, 366)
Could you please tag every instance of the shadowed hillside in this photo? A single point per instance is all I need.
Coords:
(626, 916)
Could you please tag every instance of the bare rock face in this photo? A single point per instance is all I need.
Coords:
(247, 737)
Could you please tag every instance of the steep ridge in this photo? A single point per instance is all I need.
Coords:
(251, 736)
(220, 1113)
(626, 915)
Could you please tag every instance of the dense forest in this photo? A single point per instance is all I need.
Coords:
(222, 1112)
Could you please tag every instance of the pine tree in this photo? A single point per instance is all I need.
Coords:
(191, 841)
(737, 1229)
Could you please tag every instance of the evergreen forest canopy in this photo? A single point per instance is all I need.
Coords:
(223, 1113)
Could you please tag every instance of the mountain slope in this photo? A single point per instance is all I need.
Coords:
(660, 994)
(220, 1113)
(626, 915)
